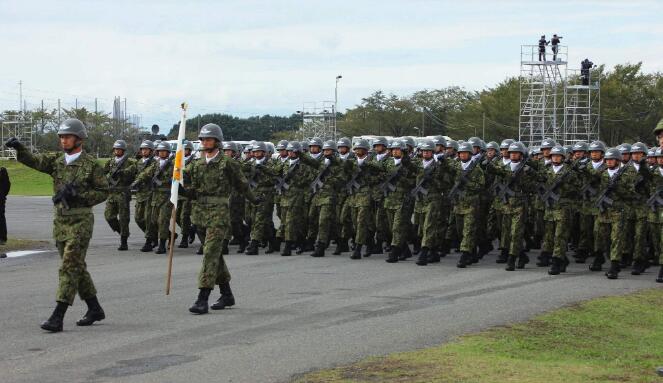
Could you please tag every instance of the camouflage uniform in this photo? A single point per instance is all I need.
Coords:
(466, 208)
(184, 211)
(261, 181)
(72, 228)
(143, 196)
(293, 201)
(322, 214)
(213, 182)
(119, 197)
(158, 175)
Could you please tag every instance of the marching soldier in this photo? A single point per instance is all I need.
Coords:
(344, 222)
(158, 176)
(617, 185)
(78, 184)
(583, 223)
(639, 203)
(561, 183)
(513, 183)
(430, 177)
(120, 172)
(382, 232)
(328, 174)
(292, 185)
(212, 178)
(261, 182)
(142, 208)
(597, 151)
(362, 175)
(655, 205)
(282, 149)
(468, 185)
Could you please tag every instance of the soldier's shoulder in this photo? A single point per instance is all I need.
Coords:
(88, 159)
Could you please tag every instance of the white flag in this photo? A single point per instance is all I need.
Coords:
(178, 168)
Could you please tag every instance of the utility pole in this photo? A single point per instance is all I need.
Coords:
(95, 105)
(483, 133)
(58, 112)
(20, 95)
(76, 102)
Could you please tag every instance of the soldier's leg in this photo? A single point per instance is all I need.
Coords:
(505, 231)
(618, 241)
(111, 213)
(314, 221)
(470, 226)
(441, 226)
(73, 275)
(125, 216)
(640, 238)
(139, 215)
(209, 271)
(515, 224)
(325, 220)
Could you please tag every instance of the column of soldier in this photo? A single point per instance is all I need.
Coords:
(395, 197)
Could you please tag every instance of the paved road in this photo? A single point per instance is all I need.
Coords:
(293, 314)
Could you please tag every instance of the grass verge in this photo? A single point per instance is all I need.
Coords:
(15, 244)
(612, 339)
(27, 181)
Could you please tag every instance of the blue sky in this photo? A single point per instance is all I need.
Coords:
(257, 57)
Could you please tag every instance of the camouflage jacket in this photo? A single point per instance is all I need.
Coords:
(261, 176)
(87, 178)
(297, 176)
(120, 175)
(468, 197)
(211, 185)
(432, 181)
(158, 179)
(400, 178)
(143, 192)
(360, 181)
(654, 203)
(329, 174)
(518, 183)
(623, 190)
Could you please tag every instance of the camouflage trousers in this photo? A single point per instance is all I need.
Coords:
(483, 219)
(183, 216)
(142, 212)
(655, 237)
(427, 220)
(362, 223)
(466, 228)
(117, 212)
(214, 270)
(72, 239)
(585, 231)
(556, 237)
(261, 219)
(611, 234)
(514, 220)
(345, 219)
(159, 224)
(640, 232)
(399, 223)
(321, 220)
(237, 216)
(382, 232)
(293, 213)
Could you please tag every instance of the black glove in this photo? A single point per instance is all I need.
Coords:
(258, 200)
(13, 143)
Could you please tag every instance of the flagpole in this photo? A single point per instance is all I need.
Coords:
(177, 180)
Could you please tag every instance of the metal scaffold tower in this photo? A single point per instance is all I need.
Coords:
(19, 125)
(318, 120)
(542, 94)
(583, 103)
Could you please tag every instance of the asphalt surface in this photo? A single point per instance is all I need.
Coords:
(293, 314)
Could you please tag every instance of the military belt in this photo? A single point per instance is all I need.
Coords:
(73, 211)
(216, 200)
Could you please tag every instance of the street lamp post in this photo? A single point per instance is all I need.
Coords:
(336, 103)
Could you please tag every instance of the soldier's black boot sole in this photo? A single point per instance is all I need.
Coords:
(252, 249)
(464, 260)
(162, 247)
(597, 264)
(423, 257)
(54, 323)
(147, 247)
(639, 267)
(94, 313)
(227, 298)
(200, 306)
(319, 250)
(287, 249)
(510, 263)
(615, 268)
(523, 259)
(433, 256)
(184, 243)
(339, 246)
(394, 254)
(660, 275)
(123, 244)
(556, 267)
(356, 253)
(504, 255)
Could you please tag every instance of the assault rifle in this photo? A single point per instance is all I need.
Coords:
(459, 186)
(282, 182)
(319, 181)
(604, 201)
(389, 185)
(656, 199)
(113, 180)
(420, 190)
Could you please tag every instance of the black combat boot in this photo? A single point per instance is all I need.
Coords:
(394, 254)
(274, 245)
(184, 243)
(464, 260)
(200, 306)
(510, 263)
(94, 313)
(243, 243)
(356, 253)
(556, 266)
(201, 250)
(369, 251)
(597, 264)
(416, 246)
(433, 256)
(341, 246)
(627, 260)
(226, 300)
(224, 247)
(615, 268)
(564, 264)
(162, 247)
(581, 256)
(423, 257)
(308, 245)
(287, 249)
(377, 246)
(319, 250)
(405, 253)
(147, 246)
(639, 266)
(123, 243)
(504, 255)
(474, 257)
(523, 259)
(252, 249)
(54, 323)
(544, 259)
(659, 279)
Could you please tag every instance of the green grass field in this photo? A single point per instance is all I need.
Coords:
(613, 339)
(14, 244)
(27, 181)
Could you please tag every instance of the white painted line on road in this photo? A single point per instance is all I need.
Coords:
(15, 254)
